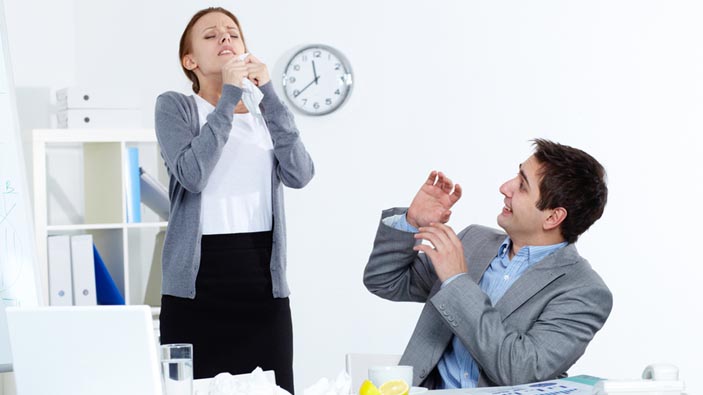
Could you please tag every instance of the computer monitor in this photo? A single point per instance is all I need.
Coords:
(84, 350)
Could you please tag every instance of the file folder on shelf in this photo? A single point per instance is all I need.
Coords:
(83, 270)
(132, 187)
(60, 282)
(154, 194)
(106, 290)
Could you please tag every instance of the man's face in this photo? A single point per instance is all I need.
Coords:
(520, 218)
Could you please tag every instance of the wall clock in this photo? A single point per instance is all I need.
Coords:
(317, 79)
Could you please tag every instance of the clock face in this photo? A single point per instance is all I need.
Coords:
(317, 80)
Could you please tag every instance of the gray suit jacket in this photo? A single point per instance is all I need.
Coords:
(535, 332)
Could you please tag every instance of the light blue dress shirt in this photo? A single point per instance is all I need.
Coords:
(457, 367)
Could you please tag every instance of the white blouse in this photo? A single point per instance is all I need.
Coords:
(237, 197)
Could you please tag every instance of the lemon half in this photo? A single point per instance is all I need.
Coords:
(394, 387)
(367, 388)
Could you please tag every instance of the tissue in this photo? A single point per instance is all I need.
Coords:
(252, 95)
(341, 386)
(255, 383)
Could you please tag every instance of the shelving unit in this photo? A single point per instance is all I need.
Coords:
(126, 248)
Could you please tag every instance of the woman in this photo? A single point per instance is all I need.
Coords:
(224, 282)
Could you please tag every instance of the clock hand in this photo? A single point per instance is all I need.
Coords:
(314, 72)
(307, 86)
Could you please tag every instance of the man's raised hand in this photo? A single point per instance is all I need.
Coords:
(434, 200)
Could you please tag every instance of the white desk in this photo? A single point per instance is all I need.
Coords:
(201, 387)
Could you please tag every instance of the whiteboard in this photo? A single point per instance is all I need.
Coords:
(18, 274)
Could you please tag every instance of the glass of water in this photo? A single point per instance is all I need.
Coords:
(177, 368)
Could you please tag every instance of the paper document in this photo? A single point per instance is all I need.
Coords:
(569, 386)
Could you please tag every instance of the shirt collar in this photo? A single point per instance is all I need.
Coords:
(204, 103)
(533, 254)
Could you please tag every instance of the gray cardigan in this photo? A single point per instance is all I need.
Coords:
(190, 154)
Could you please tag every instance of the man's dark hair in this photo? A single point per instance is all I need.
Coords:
(574, 180)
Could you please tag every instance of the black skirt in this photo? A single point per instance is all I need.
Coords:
(234, 323)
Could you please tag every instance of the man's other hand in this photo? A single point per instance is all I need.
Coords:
(446, 252)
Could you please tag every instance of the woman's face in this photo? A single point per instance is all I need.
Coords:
(215, 39)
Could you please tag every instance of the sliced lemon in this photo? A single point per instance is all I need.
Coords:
(367, 388)
(395, 387)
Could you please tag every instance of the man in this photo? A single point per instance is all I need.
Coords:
(499, 309)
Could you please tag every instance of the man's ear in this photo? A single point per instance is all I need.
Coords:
(189, 62)
(555, 218)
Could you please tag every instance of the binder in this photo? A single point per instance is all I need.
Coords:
(152, 295)
(83, 270)
(132, 186)
(60, 282)
(105, 288)
(154, 194)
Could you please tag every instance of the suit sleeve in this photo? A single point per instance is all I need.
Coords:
(394, 270)
(552, 344)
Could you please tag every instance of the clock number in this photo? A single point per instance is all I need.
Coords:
(337, 92)
(305, 58)
(328, 101)
(317, 54)
(296, 93)
(296, 67)
(316, 105)
(337, 66)
(305, 101)
(291, 80)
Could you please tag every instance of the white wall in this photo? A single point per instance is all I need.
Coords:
(459, 86)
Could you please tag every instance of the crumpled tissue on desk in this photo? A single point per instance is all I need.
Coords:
(255, 383)
(341, 386)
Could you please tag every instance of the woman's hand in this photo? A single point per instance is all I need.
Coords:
(234, 71)
(257, 70)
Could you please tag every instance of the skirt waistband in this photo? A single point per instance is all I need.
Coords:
(238, 241)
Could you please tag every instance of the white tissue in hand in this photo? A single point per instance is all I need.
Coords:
(252, 95)
(341, 386)
(255, 383)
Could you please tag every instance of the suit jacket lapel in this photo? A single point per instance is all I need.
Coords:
(479, 260)
(536, 278)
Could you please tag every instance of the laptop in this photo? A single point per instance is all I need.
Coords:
(84, 350)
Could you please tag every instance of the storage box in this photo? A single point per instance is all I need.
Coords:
(99, 118)
(113, 98)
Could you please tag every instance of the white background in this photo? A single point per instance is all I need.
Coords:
(460, 86)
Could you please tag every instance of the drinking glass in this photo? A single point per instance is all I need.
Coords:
(177, 368)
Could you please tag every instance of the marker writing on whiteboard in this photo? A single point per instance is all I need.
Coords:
(5, 210)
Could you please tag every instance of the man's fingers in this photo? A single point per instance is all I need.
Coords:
(447, 185)
(444, 183)
(432, 177)
(449, 236)
(434, 235)
(440, 179)
(445, 216)
(428, 250)
(456, 195)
